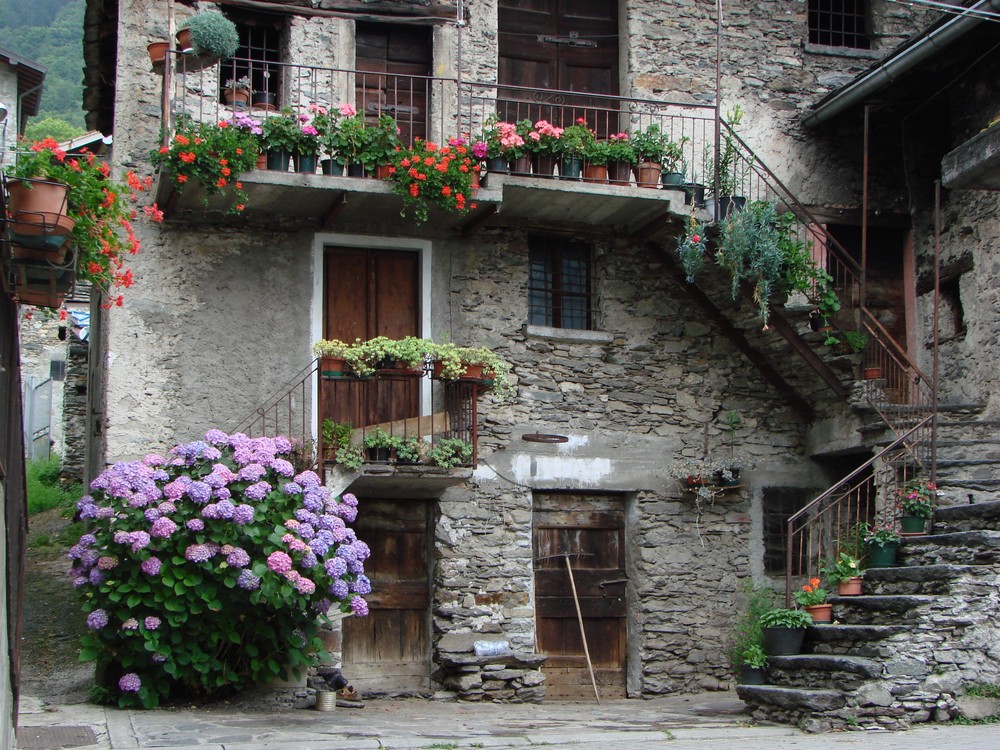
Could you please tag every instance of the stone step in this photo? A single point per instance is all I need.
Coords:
(979, 547)
(888, 609)
(931, 580)
(970, 517)
(831, 671)
(807, 708)
(850, 639)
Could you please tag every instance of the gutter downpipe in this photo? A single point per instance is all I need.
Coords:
(891, 69)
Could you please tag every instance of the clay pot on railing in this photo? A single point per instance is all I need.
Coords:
(38, 207)
(157, 52)
(647, 174)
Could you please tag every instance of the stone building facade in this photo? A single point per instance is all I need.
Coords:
(223, 315)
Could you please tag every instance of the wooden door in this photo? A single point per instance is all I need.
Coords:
(394, 63)
(368, 293)
(589, 529)
(559, 45)
(389, 650)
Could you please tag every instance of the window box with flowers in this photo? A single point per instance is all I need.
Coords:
(97, 226)
(453, 362)
(214, 155)
(916, 504)
(428, 175)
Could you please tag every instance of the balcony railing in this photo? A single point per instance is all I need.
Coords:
(402, 405)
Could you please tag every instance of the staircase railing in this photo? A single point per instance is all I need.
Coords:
(901, 392)
(823, 528)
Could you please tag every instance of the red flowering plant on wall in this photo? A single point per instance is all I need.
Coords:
(427, 174)
(212, 154)
(103, 210)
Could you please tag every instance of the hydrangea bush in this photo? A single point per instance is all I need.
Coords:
(211, 568)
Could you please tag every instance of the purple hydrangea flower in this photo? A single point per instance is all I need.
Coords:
(297, 545)
(248, 581)
(309, 559)
(160, 475)
(251, 473)
(362, 550)
(96, 576)
(355, 566)
(216, 437)
(336, 567)
(306, 531)
(257, 491)
(87, 540)
(158, 658)
(282, 444)
(162, 527)
(308, 479)
(305, 586)
(151, 514)
(79, 581)
(362, 585)
(152, 623)
(130, 624)
(339, 589)
(89, 558)
(282, 467)
(291, 488)
(97, 619)
(107, 562)
(279, 562)
(130, 683)
(322, 606)
(238, 558)
(198, 553)
(311, 502)
(319, 546)
(211, 453)
(151, 566)
(304, 516)
(140, 540)
(199, 492)
(222, 493)
(75, 552)
(359, 606)
(243, 514)
(154, 459)
(350, 500)
(196, 524)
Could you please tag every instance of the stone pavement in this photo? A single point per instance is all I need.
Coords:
(704, 722)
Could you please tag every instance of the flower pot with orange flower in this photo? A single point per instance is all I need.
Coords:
(427, 175)
(812, 597)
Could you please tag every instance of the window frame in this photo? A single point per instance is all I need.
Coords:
(552, 251)
(820, 17)
(264, 70)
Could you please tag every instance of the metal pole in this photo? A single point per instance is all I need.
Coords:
(937, 303)
(864, 211)
(718, 105)
(583, 633)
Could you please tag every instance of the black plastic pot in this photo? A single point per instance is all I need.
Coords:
(783, 641)
(753, 675)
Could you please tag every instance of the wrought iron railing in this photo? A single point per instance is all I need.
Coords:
(404, 406)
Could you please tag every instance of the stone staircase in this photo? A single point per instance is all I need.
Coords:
(903, 652)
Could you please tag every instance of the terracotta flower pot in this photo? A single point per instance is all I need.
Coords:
(850, 587)
(184, 40)
(820, 612)
(236, 97)
(38, 207)
(596, 173)
(157, 52)
(872, 373)
(332, 367)
(648, 173)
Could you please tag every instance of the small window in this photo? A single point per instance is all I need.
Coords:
(258, 58)
(559, 284)
(951, 315)
(780, 503)
(57, 369)
(839, 23)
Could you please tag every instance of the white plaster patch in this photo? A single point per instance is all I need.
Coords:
(551, 468)
(575, 441)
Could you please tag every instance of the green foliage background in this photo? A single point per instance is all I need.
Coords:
(50, 33)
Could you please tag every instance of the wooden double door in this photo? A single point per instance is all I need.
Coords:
(588, 531)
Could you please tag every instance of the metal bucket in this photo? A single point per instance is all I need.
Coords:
(326, 700)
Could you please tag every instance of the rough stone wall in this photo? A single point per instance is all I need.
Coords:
(74, 414)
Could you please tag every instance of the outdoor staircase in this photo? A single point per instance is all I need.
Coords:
(903, 652)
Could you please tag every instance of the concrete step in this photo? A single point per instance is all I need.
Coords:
(890, 609)
(978, 547)
(931, 580)
(829, 671)
(808, 708)
(850, 639)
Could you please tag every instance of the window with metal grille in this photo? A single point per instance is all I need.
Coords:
(559, 283)
(839, 23)
(780, 503)
(257, 57)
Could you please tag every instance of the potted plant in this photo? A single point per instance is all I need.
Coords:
(882, 542)
(751, 250)
(673, 162)
(236, 91)
(451, 362)
(649, 146)
(748, 649)
(494, 140)
(209, 34)
(334, 357)
(595, 161)
(410, 451)
(783, 630)
(731, 170)
(692, 248)
(845, 572)
(348, 140)
(405, 356)
(572, 146)
(812, 597)
(621, 157)
(212, 154)
(754, 660)
(382, 145)
(336, 437)
(543, 144)
(379, 444)
(281, 135)
(916, 502)
(450, 452)
(427, 175)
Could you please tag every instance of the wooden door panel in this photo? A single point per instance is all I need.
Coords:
(403, 51)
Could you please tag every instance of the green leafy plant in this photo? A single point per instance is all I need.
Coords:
(758, 599)
(427, 175)
(212, 154)
(282, 131)
(692, 248)
(450, 452)
(620, 148)
(407, 352)
(779, 617)
(754, 657)
(454, 361)
(212, 34)
(598, 153)
(410, 450)
(382, 143)
(44, 487)
(197, 575)
(878, 534)
(843, 569)
(918, 497)
(331, 348)
(575, 139)
(731, 168)
(380, 439)
(336, 436)
(650, 144)
(673, 155)
(351, 457)
(751, 250)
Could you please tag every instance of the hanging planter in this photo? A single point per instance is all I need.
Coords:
(38, 207)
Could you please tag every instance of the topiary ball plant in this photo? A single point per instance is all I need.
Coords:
(212, 34)
(210, 569)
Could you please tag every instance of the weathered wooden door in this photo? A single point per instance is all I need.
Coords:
(590, 530)
(558, 45)
(394, 63)
(389, 650)
(368, 293)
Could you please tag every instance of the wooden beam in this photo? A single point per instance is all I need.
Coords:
(736, 337)
(653, 226)
(359, 10)
(802, 348)
(469, 225)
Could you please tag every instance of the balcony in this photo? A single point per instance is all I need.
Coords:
(434, 109)
(436, 419)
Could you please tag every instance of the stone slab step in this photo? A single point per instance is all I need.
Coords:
(800, 698)
(917, 579)
(850, 639)
(878, 610)
(970, 517)
(979, 547)
(830, 671)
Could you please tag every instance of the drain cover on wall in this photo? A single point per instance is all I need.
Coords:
(54, 738)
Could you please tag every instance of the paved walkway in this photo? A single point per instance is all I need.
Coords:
(705, 722)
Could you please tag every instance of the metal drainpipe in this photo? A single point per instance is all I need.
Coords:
(937, 302)
(891, 69)
(718, 106)
(864, 212)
